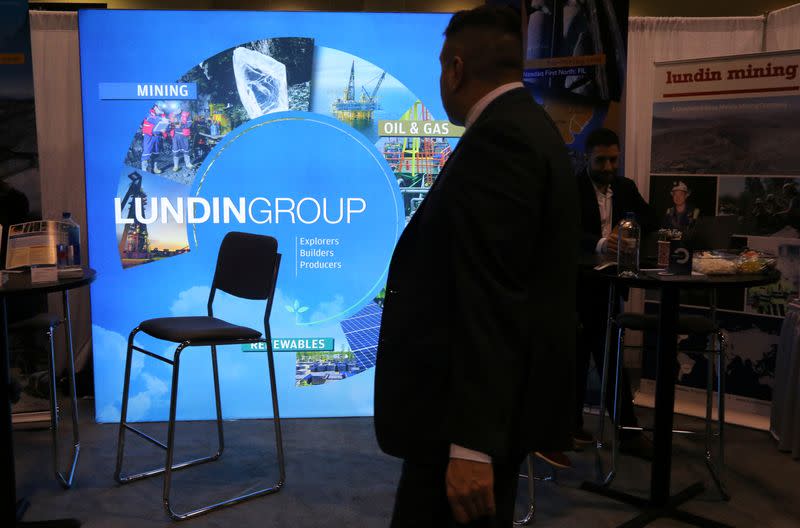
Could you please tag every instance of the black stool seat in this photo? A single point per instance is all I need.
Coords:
(42, 321)
(199, 328)
(687, 324)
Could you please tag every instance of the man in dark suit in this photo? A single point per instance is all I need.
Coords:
(605, 197)
(481, 295)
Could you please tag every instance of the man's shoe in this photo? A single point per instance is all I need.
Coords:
(637, 445)
(555, 458)
(583, 437)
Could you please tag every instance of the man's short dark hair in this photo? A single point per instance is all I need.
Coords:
(601, 137)
(489, 40)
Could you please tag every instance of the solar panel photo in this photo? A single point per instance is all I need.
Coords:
(361, 331)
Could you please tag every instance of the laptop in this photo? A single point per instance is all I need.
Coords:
(714, 232)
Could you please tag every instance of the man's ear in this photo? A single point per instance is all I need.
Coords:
(457, 75)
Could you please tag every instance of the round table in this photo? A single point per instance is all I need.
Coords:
(660, 503)
(19, 284)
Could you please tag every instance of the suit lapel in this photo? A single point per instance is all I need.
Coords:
(454, 154)
(448, 163)
(590, 207)
(440, 178)
(510, 95)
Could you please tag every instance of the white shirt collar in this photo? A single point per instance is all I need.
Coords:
(609, 192)
(484, 101)
(605, 207)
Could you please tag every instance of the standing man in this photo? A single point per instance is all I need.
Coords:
(153, 124)
(180, 133)
(490, 255)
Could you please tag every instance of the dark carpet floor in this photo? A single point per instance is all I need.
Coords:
(337, 477)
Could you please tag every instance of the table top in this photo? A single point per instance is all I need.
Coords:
(652, 278)
(20, 283)
(656, 279)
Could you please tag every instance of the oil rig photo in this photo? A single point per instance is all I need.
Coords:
(415, 161)
(349, 109)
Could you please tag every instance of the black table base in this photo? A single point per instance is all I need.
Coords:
(22, 507)
(660, 503)
(651, 512)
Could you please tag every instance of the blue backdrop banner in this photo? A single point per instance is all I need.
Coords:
(200, 123)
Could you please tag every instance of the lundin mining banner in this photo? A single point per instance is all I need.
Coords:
(725, 162)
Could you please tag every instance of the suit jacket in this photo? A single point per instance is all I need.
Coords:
(625, 198)
(477, 336)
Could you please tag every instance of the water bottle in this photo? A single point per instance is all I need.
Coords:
(628, 247)
(73, 240)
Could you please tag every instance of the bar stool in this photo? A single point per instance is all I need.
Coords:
(47, 322)
(247, 268)
(687, 324)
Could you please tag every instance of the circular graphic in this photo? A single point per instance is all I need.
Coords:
(283, 140)
(318, 187)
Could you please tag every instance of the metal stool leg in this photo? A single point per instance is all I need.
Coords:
(605, 479)
(716, 467)
(606, 356)
(600, 473)
(220, 433)
(275, 412)
(168, 468)
(723, 351)
(126, 385)
(169, 465)
(528, 518)
(709, 398)
(616, 415)
(123, 424)
(532, 478)
(76, 440)
(173, 406)
(64, 478)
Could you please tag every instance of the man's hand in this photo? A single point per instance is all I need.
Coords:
(470, 489)
(612, 242)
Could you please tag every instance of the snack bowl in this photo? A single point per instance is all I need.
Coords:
(715, 262)
(752, 261)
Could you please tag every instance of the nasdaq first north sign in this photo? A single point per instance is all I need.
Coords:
(309, 344)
